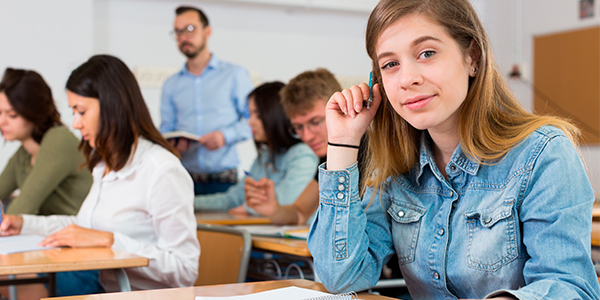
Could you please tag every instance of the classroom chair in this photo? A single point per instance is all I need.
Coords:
(224, 254)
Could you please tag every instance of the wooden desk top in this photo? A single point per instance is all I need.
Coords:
(213, 290)
(223, 218)
(68, 259)
(283, 245)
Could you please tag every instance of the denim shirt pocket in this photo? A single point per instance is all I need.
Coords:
(406, 221)
(492, 237)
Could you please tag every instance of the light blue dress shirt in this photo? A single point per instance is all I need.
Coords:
(215, 100)
(291, 174)
(519, 226)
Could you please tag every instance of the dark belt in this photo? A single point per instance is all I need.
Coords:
(229, 176)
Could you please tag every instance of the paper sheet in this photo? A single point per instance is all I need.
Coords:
(21, 243)
(287, 293)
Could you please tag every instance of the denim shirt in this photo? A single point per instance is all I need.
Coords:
(214, 100)
(291, 174)
(520, 226)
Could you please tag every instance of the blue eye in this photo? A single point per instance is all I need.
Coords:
(390, 65)
(427, 54)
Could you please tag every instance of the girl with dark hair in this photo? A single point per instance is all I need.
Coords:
(477, 197)
(140, 201)
(282, 161)
(46, 168)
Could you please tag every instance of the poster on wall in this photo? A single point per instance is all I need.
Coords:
(586, 9)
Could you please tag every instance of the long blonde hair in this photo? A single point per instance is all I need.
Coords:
(491, 120)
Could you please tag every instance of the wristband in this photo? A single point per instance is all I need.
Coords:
(343, 145)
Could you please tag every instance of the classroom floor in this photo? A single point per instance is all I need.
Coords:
(26, 291)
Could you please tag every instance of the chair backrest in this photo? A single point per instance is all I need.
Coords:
(224, 255)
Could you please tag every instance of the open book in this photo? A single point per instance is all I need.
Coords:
(21, 243)
(181, 134)
(287, 293)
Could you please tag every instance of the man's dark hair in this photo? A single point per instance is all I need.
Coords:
(183, 9)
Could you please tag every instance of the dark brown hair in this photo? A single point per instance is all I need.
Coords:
(183, 9)
(124, 115)
(301, 93)
(276, 124)
(31, 98)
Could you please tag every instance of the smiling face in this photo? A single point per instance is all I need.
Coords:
(425, 73)
(86, 113)
(13, 126)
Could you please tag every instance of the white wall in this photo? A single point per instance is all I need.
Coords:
(51, 37)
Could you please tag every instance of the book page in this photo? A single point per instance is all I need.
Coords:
(180, 133)
(21, 243)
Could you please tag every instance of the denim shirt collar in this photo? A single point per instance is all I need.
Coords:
(213, 63)
(459, 158)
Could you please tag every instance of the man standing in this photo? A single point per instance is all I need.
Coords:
(207, 98)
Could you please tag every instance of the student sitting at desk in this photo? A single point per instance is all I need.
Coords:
(282, 159)
(141, 198)
(303, 100)
(476, 196)
(46, 168)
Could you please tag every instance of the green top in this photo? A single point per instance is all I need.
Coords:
(55, 184)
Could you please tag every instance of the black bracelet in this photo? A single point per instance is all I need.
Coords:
(343, 145)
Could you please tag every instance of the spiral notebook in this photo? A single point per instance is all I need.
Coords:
(287, 293)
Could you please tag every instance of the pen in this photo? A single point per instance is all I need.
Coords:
(247, 173)
(370, 100)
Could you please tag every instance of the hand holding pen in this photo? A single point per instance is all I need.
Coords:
(347, 120)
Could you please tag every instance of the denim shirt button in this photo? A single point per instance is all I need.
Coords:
(341, 179)
(340, 196)
(436, 275)
(401, 214)
(453, 168)
(341, 187)
(451, 194)
(441, 231)
(487, 220)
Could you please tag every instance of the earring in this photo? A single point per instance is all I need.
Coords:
(474, 71)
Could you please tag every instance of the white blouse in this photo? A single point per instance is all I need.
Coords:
(148, 206)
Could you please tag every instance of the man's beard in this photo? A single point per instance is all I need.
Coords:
(193, 54)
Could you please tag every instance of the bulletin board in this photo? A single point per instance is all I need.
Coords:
(567, 79)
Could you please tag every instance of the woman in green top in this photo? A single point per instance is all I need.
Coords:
(46, 168)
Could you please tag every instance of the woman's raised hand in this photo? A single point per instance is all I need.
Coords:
(347, 118)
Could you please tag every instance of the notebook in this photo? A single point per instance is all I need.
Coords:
(295, 231)
(287, 293)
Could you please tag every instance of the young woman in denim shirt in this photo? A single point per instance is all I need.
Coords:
(478, 197)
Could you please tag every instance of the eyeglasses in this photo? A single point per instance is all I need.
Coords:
(187, 31)
(313, 126)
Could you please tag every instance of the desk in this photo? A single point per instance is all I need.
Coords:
(296, 247)
(213, 290)
(69, 259)
(224, 218)
(595, 233)
(596, 211)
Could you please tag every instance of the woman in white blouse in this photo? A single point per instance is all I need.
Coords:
(141, 200)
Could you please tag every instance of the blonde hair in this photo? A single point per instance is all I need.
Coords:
(301, 93)
(501, 122)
